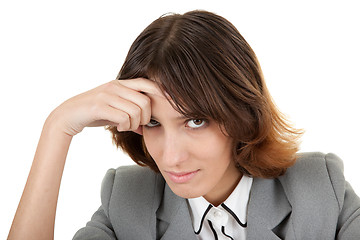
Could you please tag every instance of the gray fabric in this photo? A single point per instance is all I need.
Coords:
(311, 201)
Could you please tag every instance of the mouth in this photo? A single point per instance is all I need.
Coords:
(181, 177)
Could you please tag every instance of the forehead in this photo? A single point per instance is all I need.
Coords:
(162, 109)
(186, 89)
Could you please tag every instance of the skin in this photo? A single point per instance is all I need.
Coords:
(128, 105)
(193, 155)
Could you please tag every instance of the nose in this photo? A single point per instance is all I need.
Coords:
(175, 151)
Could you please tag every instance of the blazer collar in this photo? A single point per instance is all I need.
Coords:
(174, 210)
(268, 209)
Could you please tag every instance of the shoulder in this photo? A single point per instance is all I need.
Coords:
(130, 197)
(316, 164)
(315, 176)
(129, 184)
(317, 168)
(128, 175)
(311, 161)
(317, 190)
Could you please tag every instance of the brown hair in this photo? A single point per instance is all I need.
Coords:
(210, 71)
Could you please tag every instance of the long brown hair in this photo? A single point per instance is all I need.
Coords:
(210, 71)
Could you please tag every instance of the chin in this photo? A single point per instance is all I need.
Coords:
(186, 193)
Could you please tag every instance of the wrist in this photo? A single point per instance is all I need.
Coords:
(55, 125)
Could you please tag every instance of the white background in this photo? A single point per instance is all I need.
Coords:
(52, 50)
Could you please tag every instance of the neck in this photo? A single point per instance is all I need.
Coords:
(221, 193)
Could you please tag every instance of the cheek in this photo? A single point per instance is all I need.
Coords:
(208, 147)
(214, 147)
(152, 142)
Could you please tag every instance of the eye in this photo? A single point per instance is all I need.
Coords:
(196, 123)
(152, 123)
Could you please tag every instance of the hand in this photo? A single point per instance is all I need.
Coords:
(121, 103)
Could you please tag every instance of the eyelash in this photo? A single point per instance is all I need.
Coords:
(203, 123)
(157, 124)
(151, 120)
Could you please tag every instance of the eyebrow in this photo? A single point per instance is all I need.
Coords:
(182, 117)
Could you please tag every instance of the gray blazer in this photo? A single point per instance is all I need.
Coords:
(311, 201)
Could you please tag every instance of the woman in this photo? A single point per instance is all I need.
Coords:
(218, 159)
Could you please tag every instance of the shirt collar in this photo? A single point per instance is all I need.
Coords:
(237, 202)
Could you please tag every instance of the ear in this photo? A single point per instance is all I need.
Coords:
(139, 130)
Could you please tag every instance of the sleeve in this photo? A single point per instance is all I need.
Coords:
(100, 228)
(348, 226)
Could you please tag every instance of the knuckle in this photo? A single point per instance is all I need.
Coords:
(123, 122)
(114, 82)
(108, 85)
(111, 85)
(136, 111)
(147, 119)
(132, 110)
(96, 109)
(124, 118)
(100, 96)
(144, 102)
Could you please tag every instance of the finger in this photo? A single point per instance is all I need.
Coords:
(139, 130)
(99, 123)
(143, 85)
(116, 117)
(137, 105)
(131, 95)
(133, 110)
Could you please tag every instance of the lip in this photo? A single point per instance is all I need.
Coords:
(181, 177)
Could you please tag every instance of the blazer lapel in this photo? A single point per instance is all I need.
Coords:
(174, 212)
(268, 211)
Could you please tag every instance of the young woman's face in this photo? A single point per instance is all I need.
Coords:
(193, 155)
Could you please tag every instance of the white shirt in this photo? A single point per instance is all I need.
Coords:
(226, 221)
